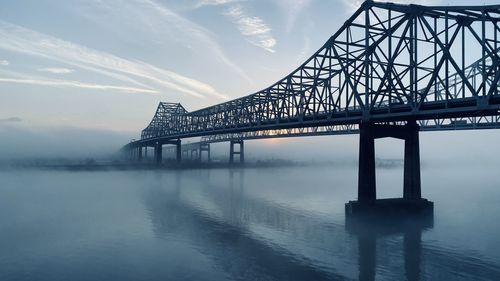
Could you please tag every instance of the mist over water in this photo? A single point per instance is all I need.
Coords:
(283, 223)
(25, 140)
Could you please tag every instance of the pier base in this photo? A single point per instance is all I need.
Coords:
(389, 206)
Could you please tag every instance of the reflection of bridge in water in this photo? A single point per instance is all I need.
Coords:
(250, 237)
(390, 71)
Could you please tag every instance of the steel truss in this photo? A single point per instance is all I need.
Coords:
(387, 63)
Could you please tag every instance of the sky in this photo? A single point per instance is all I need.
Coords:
(70, 70)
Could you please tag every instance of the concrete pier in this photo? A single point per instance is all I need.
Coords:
(158, 153)
(367, 192)
(233, 152)
(178, 150)
(139, 155)
(367, 199)
(204, 147)
(159, 150)
(412, 186)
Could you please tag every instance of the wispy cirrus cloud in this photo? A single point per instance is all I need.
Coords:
(255, 30)
(4, 63)
(162, 23)
(215, 2)
(26, 41)
(76, 84)
(57, 70)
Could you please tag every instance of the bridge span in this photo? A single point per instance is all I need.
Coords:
(391, 70)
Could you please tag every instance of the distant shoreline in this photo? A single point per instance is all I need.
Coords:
(103, 165)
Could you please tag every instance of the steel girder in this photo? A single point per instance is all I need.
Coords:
(165, 121)
(387, 63)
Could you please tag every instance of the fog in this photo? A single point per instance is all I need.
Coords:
(23, 140)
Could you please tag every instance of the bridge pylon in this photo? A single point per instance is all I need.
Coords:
(194, 154)
(159, 150)
(139, 155)
(204, 147)
(158, 153)
(178, 150)
(233, 152)
(367, 189)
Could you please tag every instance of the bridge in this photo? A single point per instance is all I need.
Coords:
(391, 70)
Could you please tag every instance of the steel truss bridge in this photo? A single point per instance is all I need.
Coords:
(391, 70)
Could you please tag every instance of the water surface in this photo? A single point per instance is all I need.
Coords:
(242, 224)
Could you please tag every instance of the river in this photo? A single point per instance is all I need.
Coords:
(275, 223)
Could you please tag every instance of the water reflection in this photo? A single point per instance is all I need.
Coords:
(251, 238)
(369, 229)
(232, 248)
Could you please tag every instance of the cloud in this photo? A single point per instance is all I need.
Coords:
(253, 28)
(198, 32)
(4, 63)
(57, 70)
(215, 2)
(75, 84)
(23, 40)
(161, 23)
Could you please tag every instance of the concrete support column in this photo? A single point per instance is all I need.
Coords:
(412, 186)
(232, 151)
(139, 156)
(366, 170)
(204, 147)
(208, 152)
(196, 154)
(242, 152)
(178, 151)
(158, 153)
